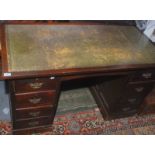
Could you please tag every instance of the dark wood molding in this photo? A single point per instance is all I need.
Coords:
(4, 50)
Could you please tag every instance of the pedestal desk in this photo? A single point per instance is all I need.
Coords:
(117, 63)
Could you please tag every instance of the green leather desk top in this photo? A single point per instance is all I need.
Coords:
(53, 47)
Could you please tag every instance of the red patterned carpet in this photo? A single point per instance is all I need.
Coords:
(90, 122)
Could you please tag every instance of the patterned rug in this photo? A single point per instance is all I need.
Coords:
(78, 114)
(90, 122)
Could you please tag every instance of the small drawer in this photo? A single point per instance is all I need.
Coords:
(146, 75)
(127, 109)
(33, 131)
(135, 93)
(32, 113)
(37, 84)
(124, 108)
(30, 123)
(130, 101)
(34, 99)
(123, 114)
(138, 88)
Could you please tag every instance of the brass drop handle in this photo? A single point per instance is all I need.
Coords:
(139, 89)
(33, 123)
(34, 114)
(147, 75)
(35, 100)
(36, 85)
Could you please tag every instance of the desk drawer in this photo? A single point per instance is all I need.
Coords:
(124, 109)
(34, 99)
(32, 113)
(37, 84)
(135, 93)
(30, 123)
(33, 131)
(123, 114)
(146, 75)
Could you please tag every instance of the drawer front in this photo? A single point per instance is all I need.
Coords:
(124, 109)
(37, 84)
(123, 114)
(30, 123)
(32, 113)
(32, 131)
(144, 75)
(34, 99)
(134, 94)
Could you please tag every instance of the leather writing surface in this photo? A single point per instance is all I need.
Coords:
(52, 47)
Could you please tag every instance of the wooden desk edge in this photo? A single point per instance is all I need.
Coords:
(79, 71)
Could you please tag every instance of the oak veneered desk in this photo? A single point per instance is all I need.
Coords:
(37, 58)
